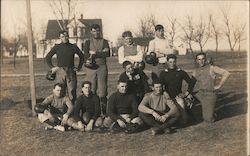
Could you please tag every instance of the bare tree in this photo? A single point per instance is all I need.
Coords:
(173, 30)
(215, 32)
(227, 32)
(4, 43)
(146, 26)
(231, 32)
(63, 10)
(16, 43)
(202, 33)
(188, 29)
(240, 34)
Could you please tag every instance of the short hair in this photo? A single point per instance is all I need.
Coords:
(127, 34)
(125, 63)
(159, 27)
(157, 81)
(95, 26)
(61, 85)
(121, 81)
(62, 32)
(86, 82)
(171, 56)
(200, 53)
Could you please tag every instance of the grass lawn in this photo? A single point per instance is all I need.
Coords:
(226, 60)
(24, 135)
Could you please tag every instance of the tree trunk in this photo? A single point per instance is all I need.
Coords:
(201, 47)
(239, 45)
(14, 61)
(216, 44)
(190, 47)
(230, 44)
(2, 55)
(239, 48)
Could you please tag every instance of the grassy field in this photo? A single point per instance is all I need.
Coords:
(227, 60)
(24, 135)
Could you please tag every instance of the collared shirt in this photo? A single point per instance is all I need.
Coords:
(172, 80)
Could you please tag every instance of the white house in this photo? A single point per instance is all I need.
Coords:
(79, 31)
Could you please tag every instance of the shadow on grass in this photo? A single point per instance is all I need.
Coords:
(29, 104)
(229, 104)
(7, 103)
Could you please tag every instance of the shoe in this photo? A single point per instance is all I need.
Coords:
(75, 126)
(48, 127)
(69, 128)
(132, 128)
(207, 123)
(103, 129)
(155, 132)
(60, 128)
(115, 128)
(168, 130)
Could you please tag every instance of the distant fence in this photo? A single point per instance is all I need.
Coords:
(110, 73)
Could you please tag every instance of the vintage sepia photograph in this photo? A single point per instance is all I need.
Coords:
(124, 77)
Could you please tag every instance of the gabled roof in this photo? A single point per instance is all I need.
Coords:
(89, 22)
(53, 27)
(72, 23)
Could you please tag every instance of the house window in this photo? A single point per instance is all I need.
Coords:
(75, 31)
(83, 32)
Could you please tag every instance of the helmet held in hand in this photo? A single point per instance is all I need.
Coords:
(51, 76)
(151, 58)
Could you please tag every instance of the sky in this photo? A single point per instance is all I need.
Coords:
(118, 16)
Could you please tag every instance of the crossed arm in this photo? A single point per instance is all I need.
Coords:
(135, 58)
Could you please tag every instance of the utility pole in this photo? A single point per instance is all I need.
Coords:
(30, 49)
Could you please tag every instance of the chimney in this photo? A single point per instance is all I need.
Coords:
(81, 16)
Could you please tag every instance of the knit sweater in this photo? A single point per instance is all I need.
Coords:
(160, 103)
(90, 104)
(65, 53)
(119, 103)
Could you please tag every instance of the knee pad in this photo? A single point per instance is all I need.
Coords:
(107, 122)
(98, 122)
